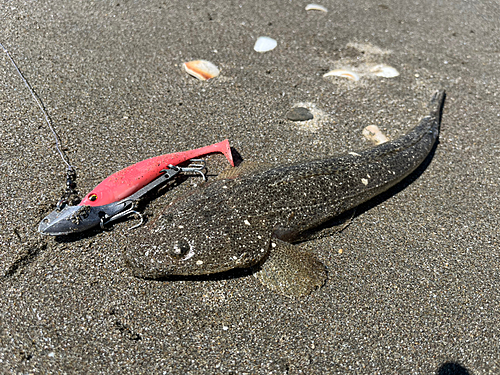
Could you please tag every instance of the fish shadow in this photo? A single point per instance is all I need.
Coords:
(235, 273)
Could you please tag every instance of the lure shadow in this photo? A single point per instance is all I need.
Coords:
(70, 238)
(236, 157)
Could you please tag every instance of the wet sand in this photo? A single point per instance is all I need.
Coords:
(413, 283)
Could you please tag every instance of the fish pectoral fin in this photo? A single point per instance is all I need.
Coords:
(291, 271)
(327, 228)
(245, 168)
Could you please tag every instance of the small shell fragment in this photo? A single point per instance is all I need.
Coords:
(350, 75)
(374, 134)
(386, 71)
(316, 7)
(201, 69)
(264, 44)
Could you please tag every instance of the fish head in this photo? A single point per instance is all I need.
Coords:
(196, 243)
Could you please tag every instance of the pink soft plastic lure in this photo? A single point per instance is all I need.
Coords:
(129, 180)
(118, 195)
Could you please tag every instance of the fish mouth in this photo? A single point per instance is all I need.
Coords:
(140, 267)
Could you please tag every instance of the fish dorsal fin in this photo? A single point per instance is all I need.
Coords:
(291, 271)
(246, 168)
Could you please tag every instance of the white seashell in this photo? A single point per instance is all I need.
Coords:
(264, 44)
(201, 69)
(374, 134)
(384, 71)
(343, 73)
(316, 7)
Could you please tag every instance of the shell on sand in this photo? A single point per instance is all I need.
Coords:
(264, 44)
(316, 7)
(374, 134)
(350, 75)
(383, 70)
(201, 69)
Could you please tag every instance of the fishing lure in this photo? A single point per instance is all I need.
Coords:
(118, 195)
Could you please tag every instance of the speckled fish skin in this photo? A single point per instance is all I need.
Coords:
(230, 222)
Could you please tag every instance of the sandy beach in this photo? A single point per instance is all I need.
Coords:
(413, 282)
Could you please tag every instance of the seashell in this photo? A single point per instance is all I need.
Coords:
(383, 70)
(264, 44)
(343, 73)
(374, 134)
(316, 7)
(201, 69)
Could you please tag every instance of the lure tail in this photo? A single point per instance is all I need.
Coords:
(132, 178)
(222, 147)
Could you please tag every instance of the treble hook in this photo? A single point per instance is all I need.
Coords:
(108, 219)
(196, 168)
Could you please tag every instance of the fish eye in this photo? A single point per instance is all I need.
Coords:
(180, 249)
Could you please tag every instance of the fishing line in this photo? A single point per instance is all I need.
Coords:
(70, 172)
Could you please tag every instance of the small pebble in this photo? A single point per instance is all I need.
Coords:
(299, 114)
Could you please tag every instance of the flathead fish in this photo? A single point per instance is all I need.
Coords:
(251, 215)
